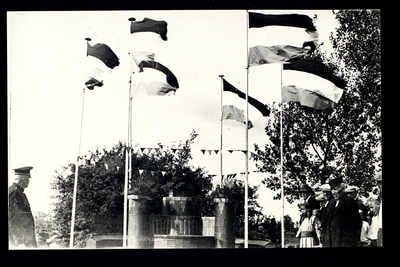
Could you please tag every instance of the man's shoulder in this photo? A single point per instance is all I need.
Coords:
(14, 189)
(346, 198)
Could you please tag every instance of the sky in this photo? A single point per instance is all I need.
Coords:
(46, 53)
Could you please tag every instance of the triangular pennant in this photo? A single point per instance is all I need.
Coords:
(216, 151)
(140, 172)
(142, 149)
(230, 151)
(157, 149)
(163, 173)
(152, 173)
(202, 151)
(209, 151)
(174, 150)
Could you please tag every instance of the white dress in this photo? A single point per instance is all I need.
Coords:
(307, 233)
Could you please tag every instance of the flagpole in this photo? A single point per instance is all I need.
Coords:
(246, 184)
(71, 238)
(282, 187)
(221, 124)
(127, 160)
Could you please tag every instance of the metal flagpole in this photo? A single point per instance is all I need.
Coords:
(246, 183)
(127, 168)
(221, 124)
(71, 238)
(128, 156)
(282, 188)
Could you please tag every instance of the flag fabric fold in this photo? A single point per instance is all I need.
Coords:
(104, 53)
(100, 61)
(150, 25)
(279, 38)
(306, 98)
(263, 109)
(154, 79)
(312, 84)
(257, 20)
(230, 112)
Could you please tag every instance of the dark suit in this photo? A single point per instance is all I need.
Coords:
(343, 223)
(21, 226)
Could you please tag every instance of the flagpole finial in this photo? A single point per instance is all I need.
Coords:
(221, 75)
(88, 39)
(131, 19)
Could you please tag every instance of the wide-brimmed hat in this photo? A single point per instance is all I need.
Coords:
(351, 189)
(325, 187)
(335, 182)
(305, 188)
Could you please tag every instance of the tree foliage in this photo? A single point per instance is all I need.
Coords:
(343, 143)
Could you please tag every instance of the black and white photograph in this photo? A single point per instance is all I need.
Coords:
(194, 129)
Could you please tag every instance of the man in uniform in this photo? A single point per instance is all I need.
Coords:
(343, 221)
(21, 226)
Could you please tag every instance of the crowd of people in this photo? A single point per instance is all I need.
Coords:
(335, 215)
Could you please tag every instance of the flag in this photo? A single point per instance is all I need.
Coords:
(154, 79)
(100, 61)
(312, 84)
(263, 109)
(279, 38)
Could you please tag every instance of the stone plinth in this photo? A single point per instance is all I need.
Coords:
(224, 223)
(139, 224)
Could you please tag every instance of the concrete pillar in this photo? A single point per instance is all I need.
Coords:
(225, 217)
(139, 226)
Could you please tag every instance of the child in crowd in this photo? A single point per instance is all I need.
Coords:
(309, 231)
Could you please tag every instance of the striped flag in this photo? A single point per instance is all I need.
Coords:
(279, 38)
(100, 61)
(312, 84)
(151, 78)
(262, 108)
(234, 113)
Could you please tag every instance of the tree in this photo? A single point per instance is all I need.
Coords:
(343, 143)
(101, 181)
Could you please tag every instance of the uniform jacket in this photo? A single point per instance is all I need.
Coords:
(21, 226)
(343, 223)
